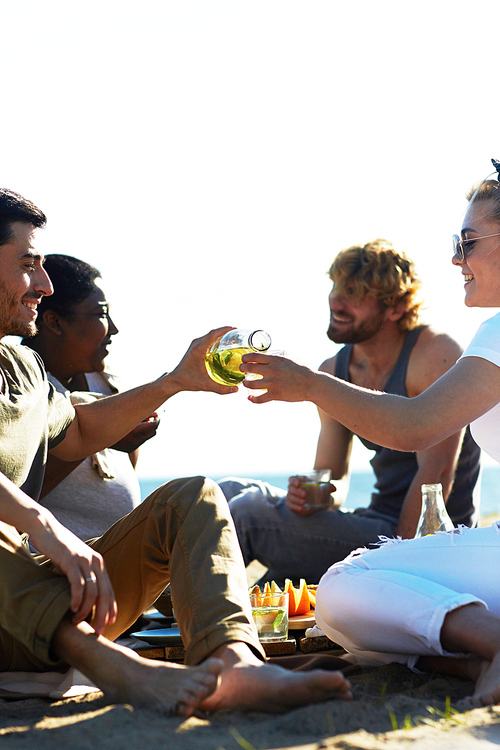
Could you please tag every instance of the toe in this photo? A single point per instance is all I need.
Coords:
(184, 709)
(467, 704)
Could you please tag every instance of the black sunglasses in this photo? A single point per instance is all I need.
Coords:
(460, 246)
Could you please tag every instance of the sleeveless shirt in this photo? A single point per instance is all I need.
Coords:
(394, 470)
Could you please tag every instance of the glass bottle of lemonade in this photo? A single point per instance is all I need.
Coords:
(223, 359)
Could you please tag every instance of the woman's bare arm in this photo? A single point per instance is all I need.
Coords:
(468, 390)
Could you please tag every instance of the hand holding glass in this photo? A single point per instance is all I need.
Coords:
(317, 485)
(254, 376)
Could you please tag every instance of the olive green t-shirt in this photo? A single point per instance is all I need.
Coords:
(33, 417)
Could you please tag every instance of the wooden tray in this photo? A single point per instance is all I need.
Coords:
(301, 622)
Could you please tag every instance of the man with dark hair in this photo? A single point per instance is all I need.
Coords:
(13, 207)
(374, 312)
(68, 605)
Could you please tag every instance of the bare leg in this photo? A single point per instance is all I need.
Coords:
(247, 683)
(126, 677)
(472, 629)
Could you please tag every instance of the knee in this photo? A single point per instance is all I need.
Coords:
(336, 601)
(246, 505)
(198, 487)
(233, 486)
(186, 492)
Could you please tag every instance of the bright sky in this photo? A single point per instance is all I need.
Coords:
(211, 157)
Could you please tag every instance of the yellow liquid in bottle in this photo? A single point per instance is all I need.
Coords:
(223, 365)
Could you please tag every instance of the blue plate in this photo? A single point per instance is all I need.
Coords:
(161, 637)
(157, 616)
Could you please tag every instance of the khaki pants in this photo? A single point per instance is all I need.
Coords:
(182, 534)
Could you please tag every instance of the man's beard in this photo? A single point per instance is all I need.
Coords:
(10, 323)
(17, 328)
(355, 335)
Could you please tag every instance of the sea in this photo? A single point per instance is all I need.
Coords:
(361, 486)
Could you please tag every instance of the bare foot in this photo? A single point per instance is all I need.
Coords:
(471, 667)
(486, 675)
(487, 691)
(164, 687)
(126, 677)
(247, 683)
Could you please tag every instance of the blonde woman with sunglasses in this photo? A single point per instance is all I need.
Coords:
(432, 602)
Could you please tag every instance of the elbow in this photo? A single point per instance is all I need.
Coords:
(416, 432)
(412, 440)
(415, 444)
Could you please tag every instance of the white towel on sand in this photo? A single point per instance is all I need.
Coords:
(49, 684)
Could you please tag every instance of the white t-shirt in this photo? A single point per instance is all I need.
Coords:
(486, 345)
(103, 488)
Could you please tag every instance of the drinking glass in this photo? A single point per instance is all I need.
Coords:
(254, 376)
(270, 615)
(316, 483)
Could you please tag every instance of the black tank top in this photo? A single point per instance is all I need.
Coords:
(394, 470)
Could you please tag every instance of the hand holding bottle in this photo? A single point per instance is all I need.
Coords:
(223, 358)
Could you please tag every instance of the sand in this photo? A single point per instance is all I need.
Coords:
(384, 697)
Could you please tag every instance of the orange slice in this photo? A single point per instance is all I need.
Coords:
(293, 599)
(255, 590)
(267, 599)
(303, 604)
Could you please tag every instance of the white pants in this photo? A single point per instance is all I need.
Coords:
(389, 604)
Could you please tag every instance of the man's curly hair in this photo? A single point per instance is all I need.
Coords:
(377, 270)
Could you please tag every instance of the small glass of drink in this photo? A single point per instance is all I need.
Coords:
(254, 376)
(270, 615)
(316, 483)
